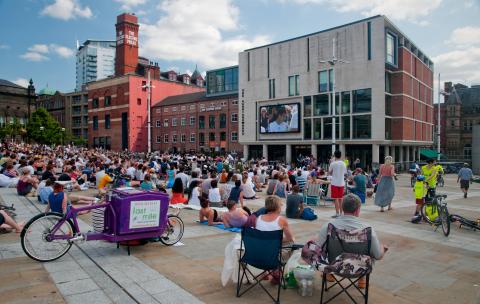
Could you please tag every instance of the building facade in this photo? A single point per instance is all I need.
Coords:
(462, 112)
(95, 60)
(383, 86)
(76, 113)
(54, 102)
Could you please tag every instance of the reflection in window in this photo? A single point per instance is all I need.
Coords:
(317, 128)
(346, 127)
(307, 133)
(322, 81)
(362, 100)
(331, 79)
(321, 104)
(327, 128)
(362, 127)
(307, 104)
(391, 49)
(345, 102)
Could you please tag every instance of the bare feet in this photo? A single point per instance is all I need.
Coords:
(20, 227)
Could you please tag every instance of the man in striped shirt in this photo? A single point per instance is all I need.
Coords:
(301, 180)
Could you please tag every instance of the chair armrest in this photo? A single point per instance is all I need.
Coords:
(293, 246)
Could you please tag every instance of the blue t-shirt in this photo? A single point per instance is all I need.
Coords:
(55, 200)
(146, 185)
(465, 173)
(44, 194)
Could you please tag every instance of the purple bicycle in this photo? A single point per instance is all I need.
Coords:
(126, 215)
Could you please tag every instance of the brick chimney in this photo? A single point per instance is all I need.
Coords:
(126, 54)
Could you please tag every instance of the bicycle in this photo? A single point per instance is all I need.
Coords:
(474, 225)
(440, 180)
(435, 211)
(10, 210)
(127, 215)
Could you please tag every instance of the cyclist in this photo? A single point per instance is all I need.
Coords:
(430, 172)
(420, 190)
(440, 172)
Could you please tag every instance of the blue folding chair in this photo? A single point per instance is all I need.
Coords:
(262, 250)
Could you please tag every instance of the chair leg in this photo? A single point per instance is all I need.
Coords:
(366, 288)
(324, 279)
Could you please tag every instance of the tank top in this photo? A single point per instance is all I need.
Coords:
(280, 191)
(194, 201)
(214, 195)
(235, 194)
(55, 201)
(268, 226)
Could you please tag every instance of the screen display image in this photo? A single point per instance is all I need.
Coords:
(283, 118)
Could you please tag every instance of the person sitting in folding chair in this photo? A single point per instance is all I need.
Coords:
(345, 248)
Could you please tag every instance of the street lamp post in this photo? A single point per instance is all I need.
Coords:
(63, 136)
(444, 94)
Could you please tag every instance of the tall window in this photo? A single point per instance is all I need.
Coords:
(323, 81)
(223, 136)
(192, 120)
(321, 104)
(95, 103)
(331, 79)
(223, 121)
(201, 122)
(362, 100)
(307, 106)
(165, 122)
(159, 139)
(183, 121)
(201, 139)
(174, 122)
(345, 102)
(388, 82)
(192, 137)
(307, 124)
(391, 49)
(234, 117)
(234, 136)
(108, 101)
(211, 121)
(165, 138)
(345, 127)
(158, 123)
(211, 136)
(107, 121)
(95, 122)
(362, 127)
(293, 85)
(271, 88)
(174, 138)
(183, 138)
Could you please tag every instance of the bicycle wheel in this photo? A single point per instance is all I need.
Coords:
(427, 215)
(173, 232)
(444, 220)
(34, 237)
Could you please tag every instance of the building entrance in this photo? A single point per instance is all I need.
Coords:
(277, 153)
(255, 151)
(362, 152)
(299, 152)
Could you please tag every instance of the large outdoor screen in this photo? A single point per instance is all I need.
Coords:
(283, 118)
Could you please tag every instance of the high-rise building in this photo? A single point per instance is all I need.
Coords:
(95, 61)
(383, 95)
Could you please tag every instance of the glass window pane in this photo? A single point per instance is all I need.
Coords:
(390, 49)
(388, 128)
(322, 81)
(346, 127)
(362, 127)
(388, 83)
(337, 103)
(307, 106)
(327, 128)
(317, 128)
(291, 86)
(388, 105)
(362, 100)
(297, 85)
(331, 80)
(307, 133)
(345, 102)
(321, 104)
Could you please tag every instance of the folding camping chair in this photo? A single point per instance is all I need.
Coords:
(312, 194)
(263, 250)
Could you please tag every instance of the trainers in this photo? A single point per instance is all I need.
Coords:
(335, 216)
(465, 195)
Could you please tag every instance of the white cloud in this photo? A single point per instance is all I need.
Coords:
(39, 52)
(193, 31)
(4, 46)
(21, 82)
(130, 4)
(459, 65)
(66, 10)
(411, 10)
(32, 56)
(465, 36)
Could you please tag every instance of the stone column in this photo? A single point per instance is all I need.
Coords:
(392, 153)
(314, 151)
(265, 151)
(375, 155)
(386, 151)
(400, 157)
(418, 153)
(245, 152)
(288, 156)
(408, 155)
(342, 149)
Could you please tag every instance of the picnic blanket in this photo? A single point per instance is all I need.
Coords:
(221, 226)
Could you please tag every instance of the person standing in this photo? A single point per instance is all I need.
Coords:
(337, 170)
(386, 186)
(465, 177)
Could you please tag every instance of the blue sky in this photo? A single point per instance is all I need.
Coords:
(38, 36)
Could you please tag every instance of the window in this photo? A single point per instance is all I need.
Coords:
(192, 120)
(337, 104)
(211, 136)
(467, 151)
(346, 127)
(321, 104)
(183, 121)
(345, 102)
(362, 100)
(192, 137)
(307, 124)
(271, 88)
(327, 128)
(174, 109)
(183, 108)
(95, 122)
(369, 40)
(139, 101)
(223, 121)
(192, 107)
(362, 127)
(234, 136)
(391, 49)
(159, 139)
(158, 123)
(183, 138)
(201, 122)
(388, 105)
(223, 136)
(234, 117)
(107, 121)
(224, 80)
(388, 128)
(174, 138)
(108, 101)
(174, 122)
(165, 138)
(293, 85)
(95, 103)
(201, 139)
(165, 122)
(165, 110)
(388, 82)
(331, 79)
(322, 81)
(307, 106)
(235, 102)
(317, 128)
(211, 122)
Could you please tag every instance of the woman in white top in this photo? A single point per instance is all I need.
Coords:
(194, 198)
(247, 189)
(214, 195)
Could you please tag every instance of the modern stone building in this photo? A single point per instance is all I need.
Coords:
(95, 60)
(384, 95)
(76, 113)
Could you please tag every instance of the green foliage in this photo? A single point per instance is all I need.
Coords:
(52, 131)
(12, 129)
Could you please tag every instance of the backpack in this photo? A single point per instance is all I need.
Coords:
(308, 215)
(431, 211)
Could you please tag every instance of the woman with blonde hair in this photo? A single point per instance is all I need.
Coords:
(386, 186)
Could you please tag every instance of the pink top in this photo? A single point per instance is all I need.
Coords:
(387, 170)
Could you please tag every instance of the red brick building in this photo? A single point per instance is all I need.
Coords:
(118, 106)
(197, 123)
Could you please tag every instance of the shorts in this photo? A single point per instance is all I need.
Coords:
(337, 192)
(2, 219)
(464, 184)
(419, 201)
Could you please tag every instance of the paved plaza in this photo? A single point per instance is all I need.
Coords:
(422, 266)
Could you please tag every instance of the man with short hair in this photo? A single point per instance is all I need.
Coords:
(337, 170)
(301, 180)
(184, 177)
(465, 177)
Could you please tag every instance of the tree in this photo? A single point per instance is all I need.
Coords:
(43, 128)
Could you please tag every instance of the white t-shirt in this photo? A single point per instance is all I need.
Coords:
(214, 195)
(194, 200)
(277, 127)
(338, 171)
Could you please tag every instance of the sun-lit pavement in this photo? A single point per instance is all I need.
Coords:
(422, 266)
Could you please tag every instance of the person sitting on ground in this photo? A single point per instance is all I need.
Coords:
(207, 184)
(236, 193)
(206, 213)
(194, 193)
(301, 180)
(44, 192)
(10, 171)
(272, 183)
(350, 221)
(281, 187)
(27, 184)
(294, 203)
(147, 183)
(57, 201)
(256, 181)
(215, 195)
(49, 172)
(235, 217)
(7, 223)
(247, 188)
(177, 193)
(359, 184)
(262, 178)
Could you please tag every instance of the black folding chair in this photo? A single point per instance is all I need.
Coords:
(262, 250)
(340, 242)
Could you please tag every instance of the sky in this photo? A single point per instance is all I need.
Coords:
(39, 37)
